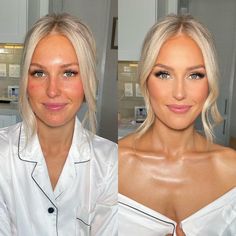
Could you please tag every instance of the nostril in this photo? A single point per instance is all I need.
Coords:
(179, 93)
(53, 90)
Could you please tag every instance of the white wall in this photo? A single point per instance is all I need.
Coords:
(36, 9)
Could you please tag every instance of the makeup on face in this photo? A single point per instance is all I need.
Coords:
(177, 84)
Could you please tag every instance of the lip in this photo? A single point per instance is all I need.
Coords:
(54, 106)
(180, 109)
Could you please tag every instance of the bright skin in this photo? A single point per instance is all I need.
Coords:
(166, 167)
(178, 85)
(55, 88)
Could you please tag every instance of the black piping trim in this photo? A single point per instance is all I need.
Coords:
(83, 222)
(82, 162)
(149, 215)
(34, 162)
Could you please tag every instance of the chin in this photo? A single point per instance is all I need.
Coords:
(180, 127)
(177, 124)
(56, 122)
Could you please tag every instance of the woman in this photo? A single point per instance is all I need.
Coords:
(56, 177)
(169, 173)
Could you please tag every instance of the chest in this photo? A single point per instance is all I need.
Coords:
(176, 190)
(55, 166)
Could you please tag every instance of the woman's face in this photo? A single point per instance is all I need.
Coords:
(178, 85)
(55, 89)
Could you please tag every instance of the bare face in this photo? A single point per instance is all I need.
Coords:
(178, 85)
(55, 88)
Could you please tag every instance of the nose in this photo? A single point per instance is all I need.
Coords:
(179, 90)
(53, 87)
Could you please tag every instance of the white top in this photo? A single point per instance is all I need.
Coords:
(216, 219)
(84, 201)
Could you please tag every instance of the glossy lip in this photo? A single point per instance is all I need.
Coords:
(54, 106)
(179, 108)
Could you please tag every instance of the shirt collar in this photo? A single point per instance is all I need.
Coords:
(80, 150)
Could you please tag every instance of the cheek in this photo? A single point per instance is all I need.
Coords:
(156, 91)
(77, 89)
(201, 93)
(33, 88)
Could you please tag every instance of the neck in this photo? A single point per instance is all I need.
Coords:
(55, 139)
(175, 142)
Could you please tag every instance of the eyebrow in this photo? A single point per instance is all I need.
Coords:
(170, 68)
(63, 65)
(70, 64)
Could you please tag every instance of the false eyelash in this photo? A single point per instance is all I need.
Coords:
(199, 75)
(159, 74)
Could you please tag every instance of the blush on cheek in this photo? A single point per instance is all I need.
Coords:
(204, 93)
(32, 86)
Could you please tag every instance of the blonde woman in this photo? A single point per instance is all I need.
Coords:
(56, 177)
(172, 179)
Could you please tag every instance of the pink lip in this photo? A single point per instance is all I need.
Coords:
(54, 106)
(179, 108)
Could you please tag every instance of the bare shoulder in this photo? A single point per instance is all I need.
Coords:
(126, 141)
(224, 155)
(126, 147)
(126, 144)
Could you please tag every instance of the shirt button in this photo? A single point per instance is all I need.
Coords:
(50, 210)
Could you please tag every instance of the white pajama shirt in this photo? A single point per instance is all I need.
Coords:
(84, 201)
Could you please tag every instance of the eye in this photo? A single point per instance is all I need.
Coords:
(196, 76)
(70, 73)
(163, 75)
(38, 73)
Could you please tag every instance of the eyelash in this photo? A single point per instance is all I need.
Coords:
(36, 73)
(160, 75)
(41, 73)
(166, 75)
(198, 75)
(72, 72)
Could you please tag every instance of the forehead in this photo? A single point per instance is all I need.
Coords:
(54, 45)
(180, 48)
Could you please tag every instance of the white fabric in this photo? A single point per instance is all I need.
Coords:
(85, 197)
(216, 219)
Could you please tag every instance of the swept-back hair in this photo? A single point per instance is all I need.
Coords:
(170, 26)
(84, 44)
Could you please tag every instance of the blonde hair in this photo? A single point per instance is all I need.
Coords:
(155, 38)
(83, 42)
